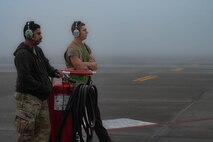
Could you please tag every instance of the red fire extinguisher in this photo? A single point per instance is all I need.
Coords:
(57, 102)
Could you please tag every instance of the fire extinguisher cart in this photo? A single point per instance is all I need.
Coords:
(72, 109)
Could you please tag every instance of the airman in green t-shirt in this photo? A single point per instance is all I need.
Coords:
(78, 56)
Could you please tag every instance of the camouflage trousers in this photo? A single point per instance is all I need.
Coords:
(32, 119)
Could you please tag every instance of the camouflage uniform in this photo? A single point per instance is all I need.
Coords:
(33, 86)
(32, 119)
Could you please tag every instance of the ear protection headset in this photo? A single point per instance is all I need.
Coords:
(76, 32)
(29, 33)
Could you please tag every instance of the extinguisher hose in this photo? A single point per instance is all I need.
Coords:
(82, 105)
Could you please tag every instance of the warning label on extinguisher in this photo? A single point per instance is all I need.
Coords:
(60, 101)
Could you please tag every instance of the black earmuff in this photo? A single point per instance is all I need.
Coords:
(28, 33)
(76, 32)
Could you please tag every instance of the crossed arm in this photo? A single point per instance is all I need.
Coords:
(80, 65)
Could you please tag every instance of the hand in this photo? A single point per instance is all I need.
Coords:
(59, 73)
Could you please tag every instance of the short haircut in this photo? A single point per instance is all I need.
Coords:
(79, 24)
(32, 26)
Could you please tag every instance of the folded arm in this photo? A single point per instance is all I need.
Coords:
(79, 65)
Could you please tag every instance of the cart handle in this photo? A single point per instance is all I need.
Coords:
(78, 72)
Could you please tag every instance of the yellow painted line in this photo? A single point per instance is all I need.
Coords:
(138, 79)
(178, 69)
(145, 78)
(142, 78)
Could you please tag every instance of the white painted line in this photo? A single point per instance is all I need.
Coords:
(124, 123)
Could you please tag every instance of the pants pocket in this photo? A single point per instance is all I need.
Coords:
(25, 125)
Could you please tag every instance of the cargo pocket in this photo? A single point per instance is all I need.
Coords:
(25, 125)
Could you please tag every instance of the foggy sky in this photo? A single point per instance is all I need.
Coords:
(116, 27)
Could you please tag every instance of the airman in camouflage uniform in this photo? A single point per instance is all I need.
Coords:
(32, 87)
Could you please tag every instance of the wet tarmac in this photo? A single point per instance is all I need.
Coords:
(175, 102)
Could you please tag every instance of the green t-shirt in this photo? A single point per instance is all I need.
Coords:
(83, 53)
